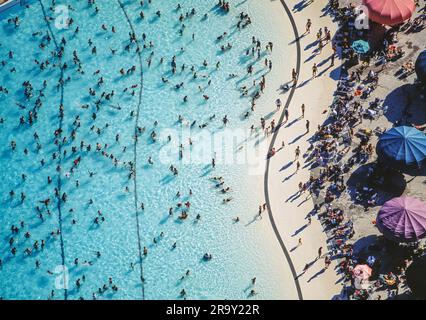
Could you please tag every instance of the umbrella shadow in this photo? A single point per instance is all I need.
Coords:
(387, 183)
(404, 106)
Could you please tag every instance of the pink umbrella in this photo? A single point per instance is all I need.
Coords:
(389, 12)
(362, 272)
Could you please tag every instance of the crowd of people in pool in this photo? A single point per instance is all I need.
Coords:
(66, 140)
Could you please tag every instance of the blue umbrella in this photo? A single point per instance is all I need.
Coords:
(360, 46)
(402, 147)
(421, 66)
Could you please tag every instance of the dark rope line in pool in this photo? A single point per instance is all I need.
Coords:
(274, 137)
(61, 116)
(135, 183)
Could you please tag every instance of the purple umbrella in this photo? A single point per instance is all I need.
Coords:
(403, 219)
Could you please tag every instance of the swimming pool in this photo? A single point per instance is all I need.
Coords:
(241, 250)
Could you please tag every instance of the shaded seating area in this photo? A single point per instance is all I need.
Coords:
(420, 67)
(382, 263)
(416, 279)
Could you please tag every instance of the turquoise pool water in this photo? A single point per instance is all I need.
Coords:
(240, 250)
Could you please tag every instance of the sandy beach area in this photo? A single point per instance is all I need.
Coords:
(282, 180)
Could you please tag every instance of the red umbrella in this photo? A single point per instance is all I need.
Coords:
(389, 12)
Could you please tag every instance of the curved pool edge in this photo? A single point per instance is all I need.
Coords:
(272, 143)
(288, 208)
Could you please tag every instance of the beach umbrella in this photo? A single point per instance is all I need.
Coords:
(421, 67)
(402, 147)
(361, 46)
(402, 219)
(362, 272)
(389, 12)
(416, 279)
